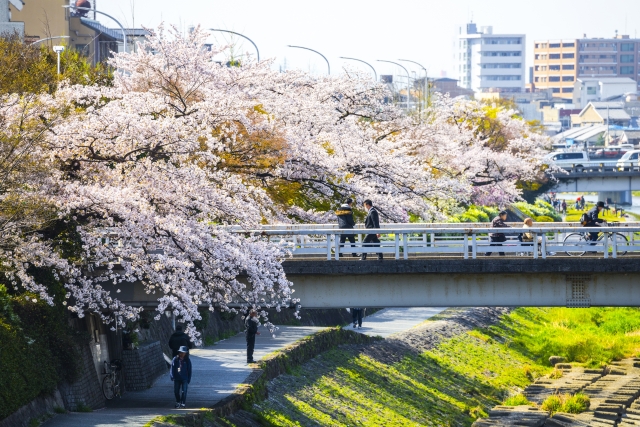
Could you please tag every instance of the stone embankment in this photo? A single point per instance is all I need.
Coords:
(614, 393)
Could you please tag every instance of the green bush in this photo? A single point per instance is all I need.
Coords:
(540, 211)
(36, 350)
(552, 404)
(475, 214)
(517, 400)
(576, 404)
(544, 218)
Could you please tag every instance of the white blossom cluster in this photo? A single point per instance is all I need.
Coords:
(146, 161)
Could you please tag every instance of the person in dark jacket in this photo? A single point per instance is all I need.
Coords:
(593, 220)
(251, 325)
(498, 238)
(371, 221)
(181, 376)
(356, 316)
(177, 340)
(346, 222)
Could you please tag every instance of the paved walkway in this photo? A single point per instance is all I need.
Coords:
(219, 369)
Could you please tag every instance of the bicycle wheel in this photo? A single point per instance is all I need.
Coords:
(577, 241)
(621, 243)
(107, 387)
(119, 382)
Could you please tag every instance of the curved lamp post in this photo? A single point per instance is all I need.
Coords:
(360, 60)
(49, 38)
(425, 85)
(408, 78)
(124, 34)
(241, 35)
(306, 48)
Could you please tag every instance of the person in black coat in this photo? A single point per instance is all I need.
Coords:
(251, 325)
(177, 340)
(593, 220)
(498, 238)
(371, 221)
(346, 221)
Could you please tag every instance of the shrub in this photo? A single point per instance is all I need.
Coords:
(576, 404)
(517, 400)
(544, 218)
(552, 404)
(556, 374)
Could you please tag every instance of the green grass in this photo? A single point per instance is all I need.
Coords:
(574, 215)
(459, 380)
(575, 404)
(517, 400)
(82, 407)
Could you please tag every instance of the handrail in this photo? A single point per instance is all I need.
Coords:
(466, 230)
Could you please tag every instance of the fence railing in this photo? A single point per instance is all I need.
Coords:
(468, 240)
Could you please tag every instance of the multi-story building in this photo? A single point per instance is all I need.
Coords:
(7, 27)
(554, 66)
(490, 62)
(559, 63)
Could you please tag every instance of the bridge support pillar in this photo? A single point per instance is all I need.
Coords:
(617, 197)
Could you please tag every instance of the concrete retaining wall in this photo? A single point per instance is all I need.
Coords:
(142, 366)
(87, 390)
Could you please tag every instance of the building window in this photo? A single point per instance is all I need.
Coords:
(568, 55)
(555, 90)
(554, 45)
(507, 65)
(626, 59)
(537, 45)
(543, 67)
(502, 54)
(568, 45)
(537, 68)
(554, 79)
(554, 56)
(628, 69)
(626, 47)
(537, 79)
(568, 67)
(591, 90)
(554, 67)
(567, 90)
(567, 78)
(502, 78)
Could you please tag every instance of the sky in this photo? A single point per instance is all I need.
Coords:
(424, 31)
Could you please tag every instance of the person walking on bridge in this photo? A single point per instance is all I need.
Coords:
(251, 324)
(498, 238)
(345, 221)
(371, 221)
(181, 376)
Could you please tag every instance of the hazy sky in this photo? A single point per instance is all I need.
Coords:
(423, 31)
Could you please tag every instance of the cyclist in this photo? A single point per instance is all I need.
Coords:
(590, 219)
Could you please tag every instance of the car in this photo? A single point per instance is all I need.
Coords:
(628, 161)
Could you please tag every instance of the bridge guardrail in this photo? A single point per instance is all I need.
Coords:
(467, 241)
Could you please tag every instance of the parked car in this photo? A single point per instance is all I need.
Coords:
(628, 161)
(578, 159)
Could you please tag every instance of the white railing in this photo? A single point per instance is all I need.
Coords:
(467, 240)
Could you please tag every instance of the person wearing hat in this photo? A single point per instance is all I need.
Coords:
(498, 238)
(251, 324)
(181, 376)
(177, 340)
(592, 220)
(345, 221)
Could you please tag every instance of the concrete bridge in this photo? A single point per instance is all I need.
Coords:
(608, 182)
(438, 265)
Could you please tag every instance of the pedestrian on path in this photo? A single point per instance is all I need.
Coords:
(498, 238)
(178, 339)
(371, 221)
(345, 221)
(251, 325)
(356, 316)
(181, 376)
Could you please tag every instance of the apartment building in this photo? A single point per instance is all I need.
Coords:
(490, 62)
(555, 67)
(558, 64)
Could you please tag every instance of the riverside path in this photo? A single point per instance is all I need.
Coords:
(219, 369)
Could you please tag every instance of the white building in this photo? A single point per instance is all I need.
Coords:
(587, 89)
(6, 26)
(490, 62)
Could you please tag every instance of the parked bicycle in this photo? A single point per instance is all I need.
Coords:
(112, 383)
(581, 241)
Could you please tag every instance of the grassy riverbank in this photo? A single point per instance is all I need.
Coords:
(453, 383)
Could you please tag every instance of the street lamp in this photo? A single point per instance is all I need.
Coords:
(426, 75)
(58, 50)
(408, 78)
(360, 60)
(241, 35)
(306, 48)
(124, 34)
(49, 38)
